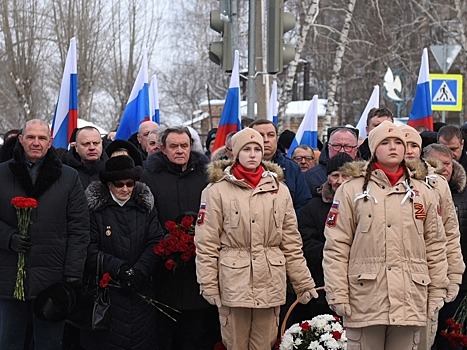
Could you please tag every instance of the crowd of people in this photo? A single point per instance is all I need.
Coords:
(380, 223)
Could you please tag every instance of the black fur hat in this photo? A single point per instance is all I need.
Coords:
(337, 161)
(123, 144)
(120, 168)
(55, 303)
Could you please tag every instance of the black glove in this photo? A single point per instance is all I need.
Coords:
(74, 282)
(138, 280)
(19, 243)
(125, 276)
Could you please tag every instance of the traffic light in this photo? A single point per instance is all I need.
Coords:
(220, 52)
(279, 22)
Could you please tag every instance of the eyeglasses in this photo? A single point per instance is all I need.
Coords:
(346, 148)
(299, 159)
(120, 184)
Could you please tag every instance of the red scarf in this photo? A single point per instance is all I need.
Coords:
(392, 177)
(252, 178)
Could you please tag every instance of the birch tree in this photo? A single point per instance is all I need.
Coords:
(340, 50)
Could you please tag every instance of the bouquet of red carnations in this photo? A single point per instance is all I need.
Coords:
(178, 246)
(24, 207)
(456, 331)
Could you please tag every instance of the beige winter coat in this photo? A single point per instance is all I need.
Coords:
(385, 249)
(247, 240)
(454, 257)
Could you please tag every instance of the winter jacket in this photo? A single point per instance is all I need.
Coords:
(295, 181)
(385, 249)
(127, 235)
(450, 221)
(176, 192)
(88, 172)
(316, 176)
(59, 227)
(457, 184)
(311, 227)
(247, 240)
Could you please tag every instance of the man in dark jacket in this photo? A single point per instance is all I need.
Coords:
(87, 157)
(294, 179)
(456, 177)
(57, 238)
(176, 177)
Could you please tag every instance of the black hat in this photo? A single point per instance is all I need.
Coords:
(286, 138)
(120, 168)
(55, 303)
(123, 144)
(211, 136)
(337, 161)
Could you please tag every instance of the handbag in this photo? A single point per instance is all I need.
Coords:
(100, 320)
(92, 310)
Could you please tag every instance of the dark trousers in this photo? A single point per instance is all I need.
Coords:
(194, 330)
(447, 311)
(14, 318)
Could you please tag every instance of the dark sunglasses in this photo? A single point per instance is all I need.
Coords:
(120, 184)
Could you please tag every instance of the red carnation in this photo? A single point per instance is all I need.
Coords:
(187, 222)
(186, 256)
(336, 335)
(169, 264)
(305, 326)
(104, 282)
(170, 225)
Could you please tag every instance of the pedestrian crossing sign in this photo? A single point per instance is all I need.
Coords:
(446, 92)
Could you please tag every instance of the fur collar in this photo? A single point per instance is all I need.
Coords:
(417, 169)
(458, 178)
(98, 196)
(219, 169)
(159, 163)
(326, 192)
(49, 172)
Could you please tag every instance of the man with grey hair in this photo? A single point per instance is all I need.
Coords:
(56, 243)
(304, 156)
(176, 176)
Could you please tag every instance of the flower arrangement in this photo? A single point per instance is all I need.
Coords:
(456, 333)
(178, 246)
(107, 281)
(323, 332)
(24, 207)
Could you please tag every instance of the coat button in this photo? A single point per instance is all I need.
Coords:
(389, 268)
(254, 258)
(389, 226)
(369, 215)
(252, 221)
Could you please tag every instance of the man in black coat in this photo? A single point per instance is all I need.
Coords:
(57, 238)
(87, 156)
(176, 177)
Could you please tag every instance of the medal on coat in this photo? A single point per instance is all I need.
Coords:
(108, 232)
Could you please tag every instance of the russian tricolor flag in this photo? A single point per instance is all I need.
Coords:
(137, 107)
(66, 111)
(421, 114)
(231, 117)
(154, 100)
(307, 133)
(373, 102)
(272, 109)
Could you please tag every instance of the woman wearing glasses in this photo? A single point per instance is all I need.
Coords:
(125, 227)
(384, 260)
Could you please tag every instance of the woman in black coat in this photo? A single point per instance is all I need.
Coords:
(124, 225)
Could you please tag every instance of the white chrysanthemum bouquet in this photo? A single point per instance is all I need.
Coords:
(323, 332)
